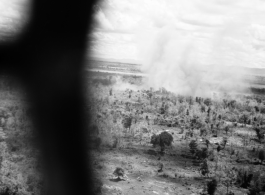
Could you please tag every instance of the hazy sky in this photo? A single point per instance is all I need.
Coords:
(231, 32)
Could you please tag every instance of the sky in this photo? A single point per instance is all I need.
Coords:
(182, 45)
(212, 32)
(216, 32)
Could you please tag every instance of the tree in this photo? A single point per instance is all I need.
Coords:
(193, 146)
(160, 166)
(218, 148)
(204, 168)
(202, 154)
(202, 108)
(208, 102)
(197, 99)
(187, 112)
(119, 172)
(203, 131)
(257, 185)
(225, 102)
(226, 129)
(258, 133)
(163, 139)
(209, 111)
(127, 122)
(139, 99)
(211, 127)
(162, 110)
(244, 178)
(229, 179)
(261, 155)
(115, 142)
(244, 117)
(233, 104)
(211, 186)
(150, 95)
(207, 142)
(224, 142)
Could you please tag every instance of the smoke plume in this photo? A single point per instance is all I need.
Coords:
(187, 64)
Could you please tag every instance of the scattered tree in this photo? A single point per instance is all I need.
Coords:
(119, 172)
(261, 155)
(127, 122)
(204, 168)
(207, 102)
(244, 178)
(211, 186)
(207, 142)
(160, 166)
(163, 139)
(193, 146)
(219, 148)
(226, 129)
(224, 142)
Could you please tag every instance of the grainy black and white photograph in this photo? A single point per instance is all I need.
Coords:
(177, 96)
(125, 97)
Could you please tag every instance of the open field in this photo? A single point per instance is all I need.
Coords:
(220, 139)
(213, 139)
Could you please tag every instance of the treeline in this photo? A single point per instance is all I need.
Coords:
(260, 91)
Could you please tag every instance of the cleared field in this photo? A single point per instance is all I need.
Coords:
(233, 146)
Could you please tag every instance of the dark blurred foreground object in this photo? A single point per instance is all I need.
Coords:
(47, 58)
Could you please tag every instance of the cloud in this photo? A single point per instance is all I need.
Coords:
(230, 31)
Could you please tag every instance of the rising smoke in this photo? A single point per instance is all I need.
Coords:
(201, 60)
(193, 47)
(185, 64)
